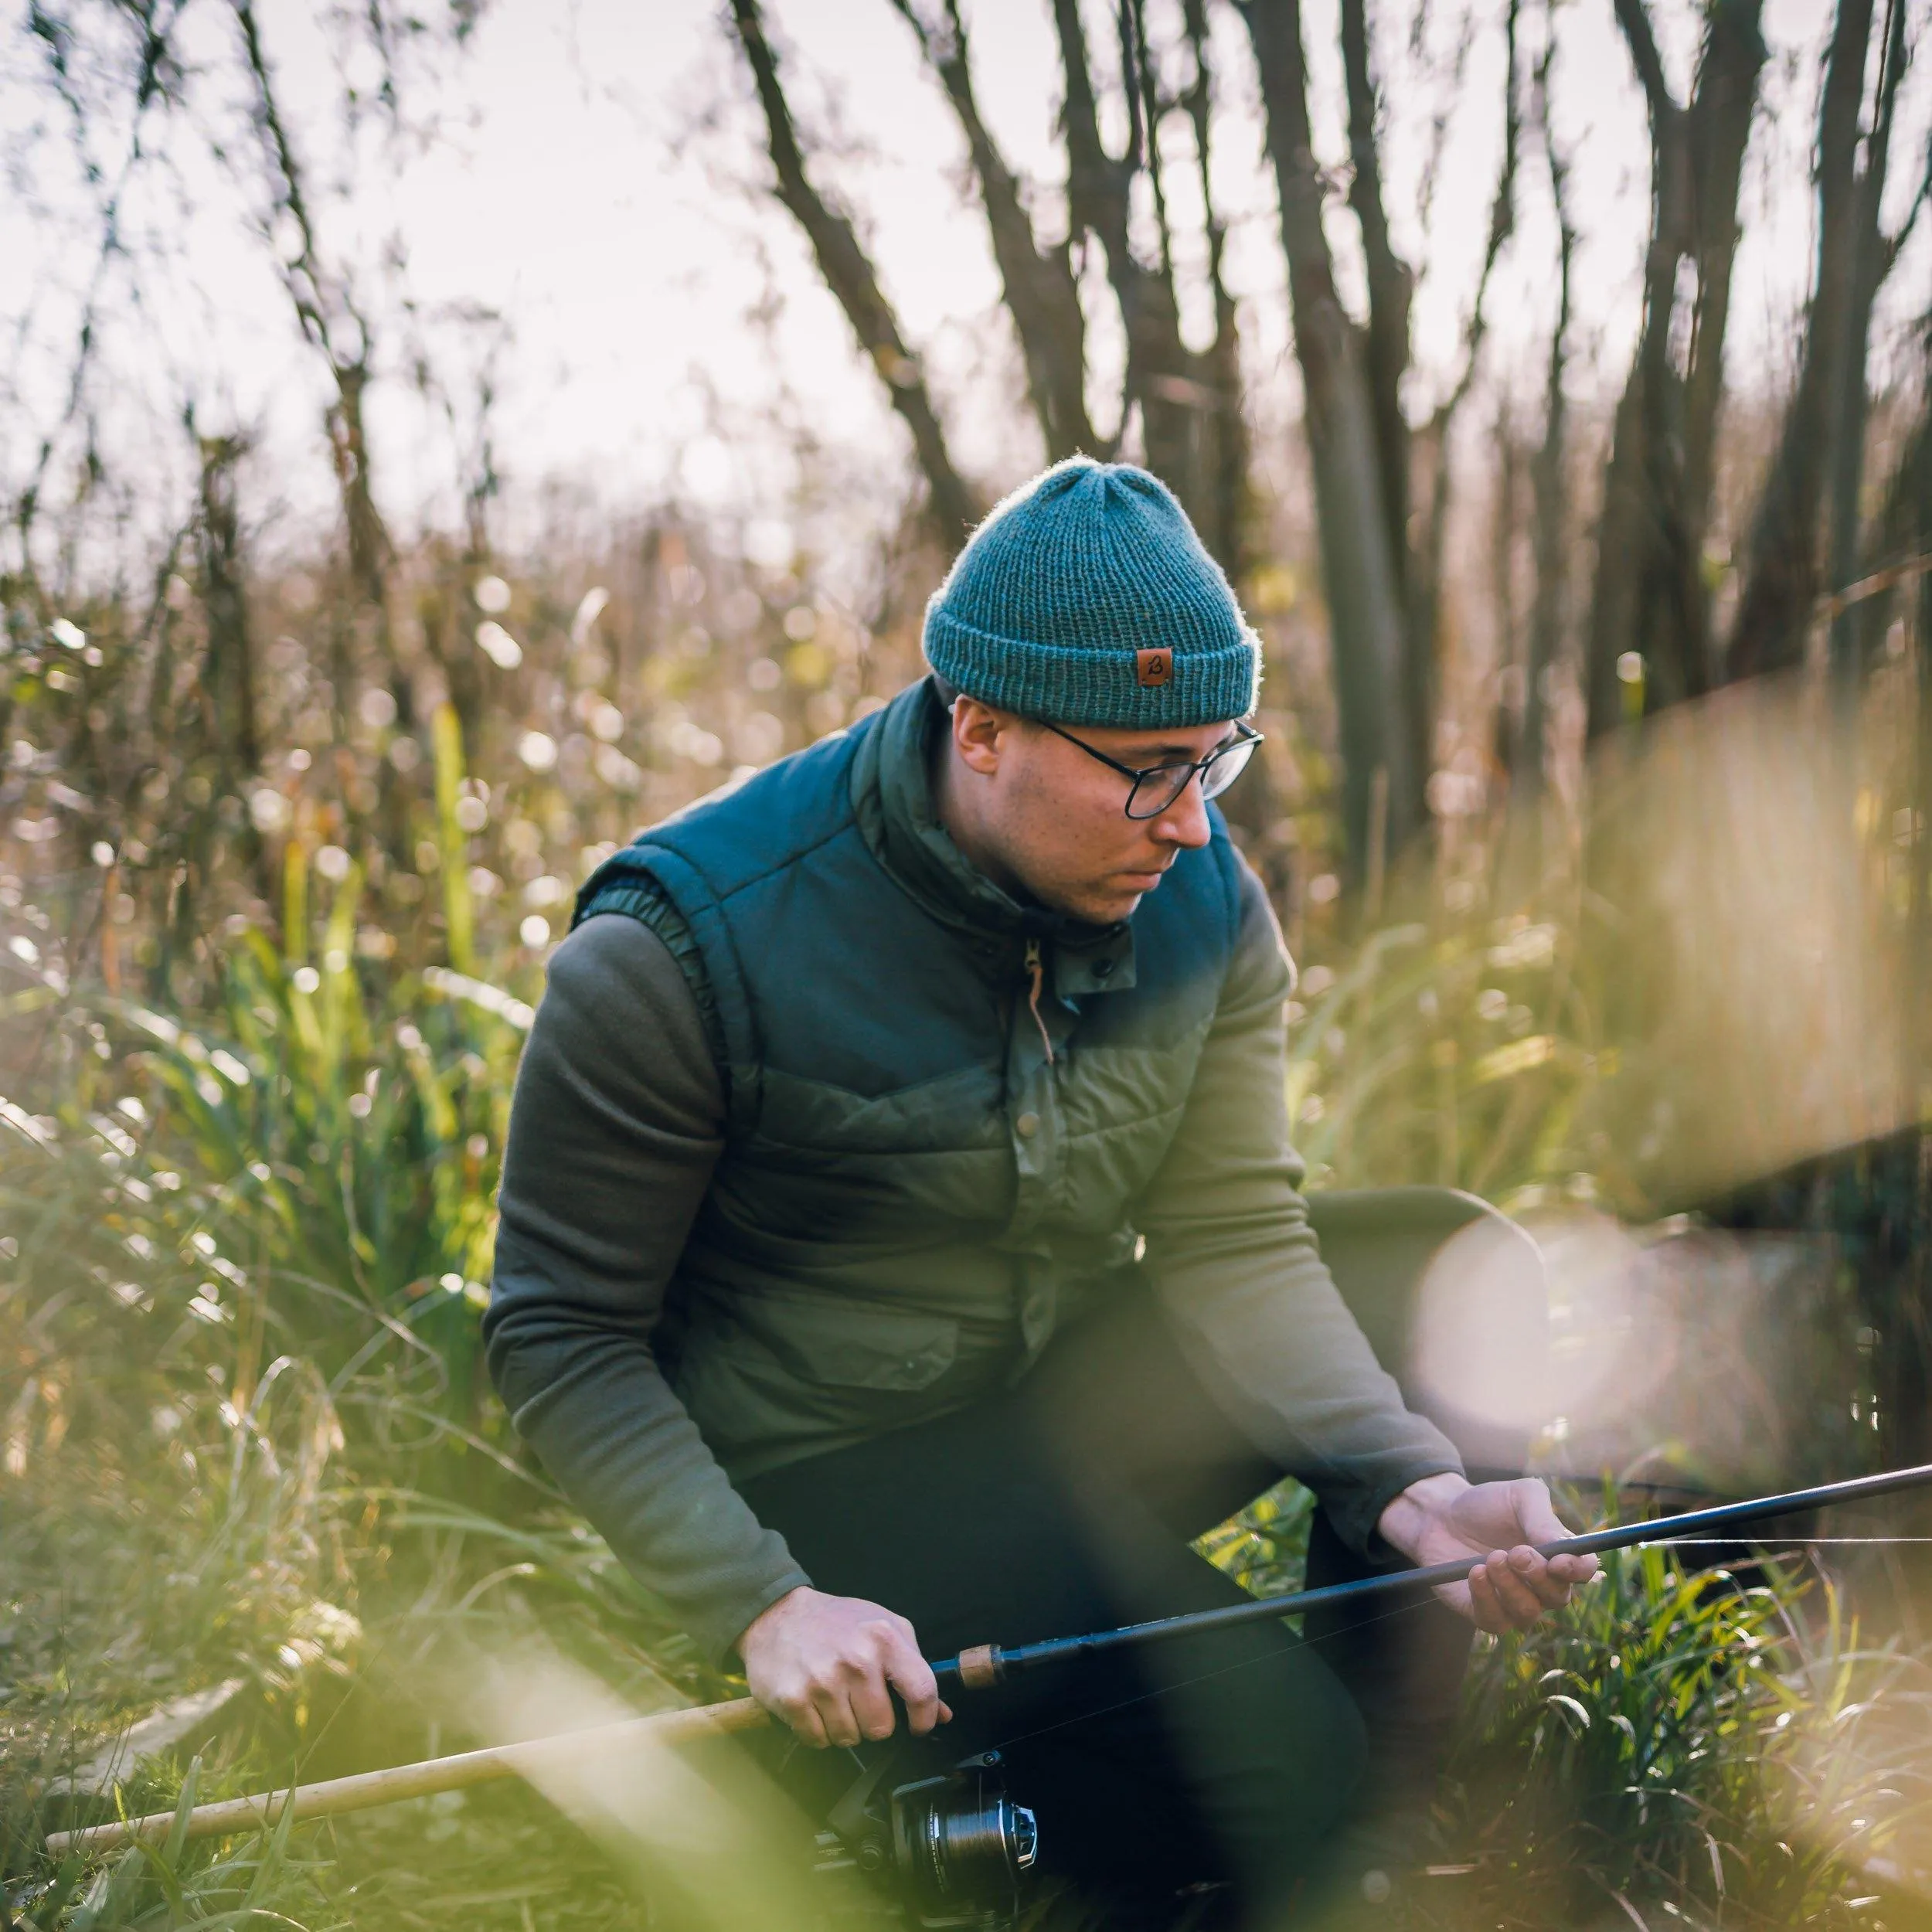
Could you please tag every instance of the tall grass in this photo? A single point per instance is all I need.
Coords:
(260, 1029)
(1709, 1748)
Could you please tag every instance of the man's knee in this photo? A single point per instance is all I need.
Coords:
(1276, 1751)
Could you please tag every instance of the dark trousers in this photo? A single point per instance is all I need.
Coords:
(1066, 1505)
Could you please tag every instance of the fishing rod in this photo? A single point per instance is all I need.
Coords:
(979, 1668)
(986, 1664)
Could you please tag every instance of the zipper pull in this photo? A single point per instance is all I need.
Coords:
(1036, 973)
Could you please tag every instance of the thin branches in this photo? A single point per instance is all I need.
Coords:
(1041, 293)
(850, 275)
(1426, 568)
(158, 19)
(1549, 472)
(331, 318)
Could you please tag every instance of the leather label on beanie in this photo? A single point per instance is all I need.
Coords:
(1154, 667)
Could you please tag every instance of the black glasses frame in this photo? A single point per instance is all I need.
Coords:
(1178, 776)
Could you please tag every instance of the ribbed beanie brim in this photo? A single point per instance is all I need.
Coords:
(1085, 598)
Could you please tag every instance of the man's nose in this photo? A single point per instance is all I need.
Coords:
(1184, 823)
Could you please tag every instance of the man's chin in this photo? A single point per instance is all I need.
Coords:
(1108, 908)
(1106, 902)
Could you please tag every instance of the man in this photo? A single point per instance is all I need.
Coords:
(900, 1246)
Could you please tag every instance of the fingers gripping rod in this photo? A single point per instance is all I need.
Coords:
(978, 1668)
(986, 1664)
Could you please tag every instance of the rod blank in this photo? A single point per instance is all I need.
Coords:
(987, 1663)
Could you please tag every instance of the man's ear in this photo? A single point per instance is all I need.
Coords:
(980, 734)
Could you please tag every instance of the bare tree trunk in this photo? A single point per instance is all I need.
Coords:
(1227, 478)
(1391, 284)
(1426, 561)
(228, 669)
(1359, 568)
(1160, 382)
(1720, 126)
(1037, 285)
(370, 551)
(1916, 476)
(229, 708)
(1894, 556)
(1502, 578)
(1872, 259)
(1550, 485)
(334, 321)
(1782, 579)
(1650, 598)
(1220, 452)
(849, 274)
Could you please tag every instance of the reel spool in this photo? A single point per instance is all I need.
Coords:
(961, 1844)
(956, 1848)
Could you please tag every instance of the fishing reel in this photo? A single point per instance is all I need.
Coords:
(955, 1847)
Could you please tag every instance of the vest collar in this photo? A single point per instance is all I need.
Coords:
(892, 797)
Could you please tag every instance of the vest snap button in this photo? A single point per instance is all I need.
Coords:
(1027, 1126)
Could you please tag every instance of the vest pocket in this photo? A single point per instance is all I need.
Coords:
(856, 1344)
(826, 1340)
(780, 1375)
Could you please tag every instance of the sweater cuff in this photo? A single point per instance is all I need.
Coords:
(719, 1626)
(1355, 1515)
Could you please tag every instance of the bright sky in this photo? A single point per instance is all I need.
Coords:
(590, 182)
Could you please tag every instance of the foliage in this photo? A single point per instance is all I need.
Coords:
(1719, 1747)
(245, 1435)
(1460, 1053)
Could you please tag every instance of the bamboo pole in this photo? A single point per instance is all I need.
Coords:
(367, 1789)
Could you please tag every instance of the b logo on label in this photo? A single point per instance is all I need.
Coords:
(1154, 667)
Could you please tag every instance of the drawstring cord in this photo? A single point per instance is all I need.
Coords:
(1039, 975)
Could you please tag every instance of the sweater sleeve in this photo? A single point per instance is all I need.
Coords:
(614, 1130)
(1235, 1262)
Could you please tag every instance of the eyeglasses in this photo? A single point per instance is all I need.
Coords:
(1158, 788)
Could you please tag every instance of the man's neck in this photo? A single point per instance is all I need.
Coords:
(953, 802)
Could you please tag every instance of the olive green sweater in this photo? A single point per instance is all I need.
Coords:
(617, 1123)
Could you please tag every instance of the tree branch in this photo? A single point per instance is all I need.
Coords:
(1359, 582)
(1503, 222)
(159, 24)
(1228, 539)
(1781, 579)
(1635, 23)
(1391, 282)
(1041, 295)
(849, 274)
(1549, 472)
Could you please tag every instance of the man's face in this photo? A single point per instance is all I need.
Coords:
(1040, 812)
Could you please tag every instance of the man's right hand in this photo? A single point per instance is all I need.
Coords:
(827, 1666)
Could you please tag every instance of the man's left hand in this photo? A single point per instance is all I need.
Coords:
(1445, 1519)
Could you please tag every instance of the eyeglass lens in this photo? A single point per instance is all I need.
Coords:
(1159, 789)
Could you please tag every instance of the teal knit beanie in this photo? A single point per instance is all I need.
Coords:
(1085, 598)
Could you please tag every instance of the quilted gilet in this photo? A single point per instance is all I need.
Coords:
(928, 1166)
